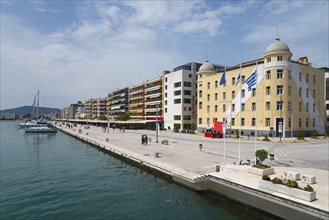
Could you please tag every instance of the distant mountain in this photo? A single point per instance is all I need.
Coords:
(26, 109)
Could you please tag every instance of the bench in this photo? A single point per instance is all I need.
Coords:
(308, 179)
(293, 176)
(165, 142)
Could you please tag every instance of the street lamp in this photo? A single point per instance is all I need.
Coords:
(280, 122)
(156, 125)
(108, 121)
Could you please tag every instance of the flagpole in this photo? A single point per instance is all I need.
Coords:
(256, 114)
(225, 119)
(240, 113)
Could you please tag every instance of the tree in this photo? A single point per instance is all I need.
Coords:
(261, 155)
(123, 117)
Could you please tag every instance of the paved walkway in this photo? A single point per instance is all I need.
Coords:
(182, 156)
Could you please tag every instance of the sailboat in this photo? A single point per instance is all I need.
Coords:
(37, 125)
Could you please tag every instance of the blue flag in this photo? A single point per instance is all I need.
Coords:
(223, 79)
(252, 80)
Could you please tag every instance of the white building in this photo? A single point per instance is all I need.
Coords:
(180, 97)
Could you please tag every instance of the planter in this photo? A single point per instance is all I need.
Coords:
(293, 192)
(261, 172)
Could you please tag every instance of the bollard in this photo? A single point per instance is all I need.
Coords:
(217, 168)
(200, 146)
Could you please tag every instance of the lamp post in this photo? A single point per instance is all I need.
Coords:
(108, 121)
(280, 122)
(292, 122)
(156, 125)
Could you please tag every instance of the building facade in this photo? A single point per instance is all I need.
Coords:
(273, 95)
(136, 101)
(153, 99)
(180, 97)
(118, 102)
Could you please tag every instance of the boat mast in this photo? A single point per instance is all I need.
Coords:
(38, 105)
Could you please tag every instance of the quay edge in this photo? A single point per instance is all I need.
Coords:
(249, 197)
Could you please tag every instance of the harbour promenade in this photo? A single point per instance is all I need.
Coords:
(214, 166)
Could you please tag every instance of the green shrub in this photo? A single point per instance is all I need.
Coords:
(266, 137)
(292, 184)
(308, 188)
(192, 131)
(277, 180)
(261, 155)
(300, 135)
(261, 166)
(315, 134)
(237, 133)
(266, 177)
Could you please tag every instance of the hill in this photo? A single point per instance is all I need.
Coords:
(26, 109)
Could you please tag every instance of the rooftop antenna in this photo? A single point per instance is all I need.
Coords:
(277, 33)
(207, 56)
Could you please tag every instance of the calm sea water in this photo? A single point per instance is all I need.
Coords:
(54, 176)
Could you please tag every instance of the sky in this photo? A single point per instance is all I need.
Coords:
(76, 50)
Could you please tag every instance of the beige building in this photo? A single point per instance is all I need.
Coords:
(136, 101)
(281, 98)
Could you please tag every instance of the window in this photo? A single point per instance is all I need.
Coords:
(184, 108)
(187, 84)
(177, 117)
(208, 97)
(224, 108)
(187, 92)
(166, 87)
(200, 105)
(279, 90)
(314, 79)
(268, 90)
(216, 96)
(279, 106)
(177, 84)
(267, 122)
(268, 106)
(253, 122)
(233, 107)
(233, 94)
(289, 90)
(177, 101)
(313, 93)
(268, 74)
(187, 117)
(289, 106)
(200, 85)
(242, 93)
(208, 108)
(279, 58)
(216, 84)
(253, 106)
(166, 95)
(233, 81)
(200, 121)
(306, 77)
(307, 106)
(178, 92)
(165, 102)
(268, 59)
(300, 122)
(216, 108)
(307, 93)
(313, 107)
(253, 92)
(165, 110)
(243, 107)
(208, 85)
(300, 77)
(166, 79)
(242, 121)
(243, 79)
(313, 122)
(224, 95)
(279, 74)
(233, 121)
(200, 93)
(289, 123)
(300, 106)
(190, 108)
(300, 91)
(187, 101)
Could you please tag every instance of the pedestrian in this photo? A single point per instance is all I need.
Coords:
(146, 139)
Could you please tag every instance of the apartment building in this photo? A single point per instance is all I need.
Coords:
(269, 95)
(118, 102)
(153, 99)
(136, 101)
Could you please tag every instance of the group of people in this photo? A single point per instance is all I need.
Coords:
(144, 139)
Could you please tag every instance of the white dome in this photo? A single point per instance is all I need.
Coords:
(207, 67)
(277, 46)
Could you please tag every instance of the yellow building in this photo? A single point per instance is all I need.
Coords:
(136, 101)
(286, 97)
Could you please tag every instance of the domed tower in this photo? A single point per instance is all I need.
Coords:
(206, 69)
(277, 70)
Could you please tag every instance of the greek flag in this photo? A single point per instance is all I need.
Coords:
(238, 80)
(252, 80)
(223, 79)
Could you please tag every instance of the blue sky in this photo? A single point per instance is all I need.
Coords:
(76, 50)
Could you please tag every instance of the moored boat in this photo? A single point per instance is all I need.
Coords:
(40, 129)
